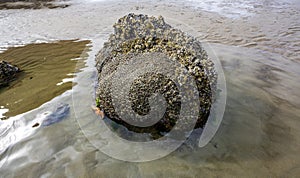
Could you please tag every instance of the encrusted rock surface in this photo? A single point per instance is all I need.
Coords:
(8, 73)
(32, 4)
(138, 35)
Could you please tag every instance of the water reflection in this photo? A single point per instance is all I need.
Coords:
(259, 135)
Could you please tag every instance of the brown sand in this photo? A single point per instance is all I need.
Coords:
(43, 66)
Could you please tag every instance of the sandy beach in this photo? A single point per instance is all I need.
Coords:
(257, 43)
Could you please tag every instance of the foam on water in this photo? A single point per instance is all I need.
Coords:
(237, 8)
(3, 111)
(65, 80)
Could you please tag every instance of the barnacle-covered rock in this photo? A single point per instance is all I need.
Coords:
(8, 73)
(141, 35)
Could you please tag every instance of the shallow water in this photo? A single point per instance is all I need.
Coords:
(259, 132)
(46, 70)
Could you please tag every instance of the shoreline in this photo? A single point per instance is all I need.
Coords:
(259, 133)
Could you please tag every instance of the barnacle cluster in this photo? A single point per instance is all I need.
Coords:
(141, 35)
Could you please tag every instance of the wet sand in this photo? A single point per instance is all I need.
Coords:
(43, 66)
(259, 135)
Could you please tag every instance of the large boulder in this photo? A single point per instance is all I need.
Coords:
(8, 73)
(140, 37)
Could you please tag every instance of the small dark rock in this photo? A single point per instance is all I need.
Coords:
(36, 125)
(8, 73)
(216, 145)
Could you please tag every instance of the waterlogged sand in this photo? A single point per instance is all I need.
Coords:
(44, 66)
(257, 43)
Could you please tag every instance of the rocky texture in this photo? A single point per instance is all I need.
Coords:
(138, 35)
(31, 4)
(8, 73)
